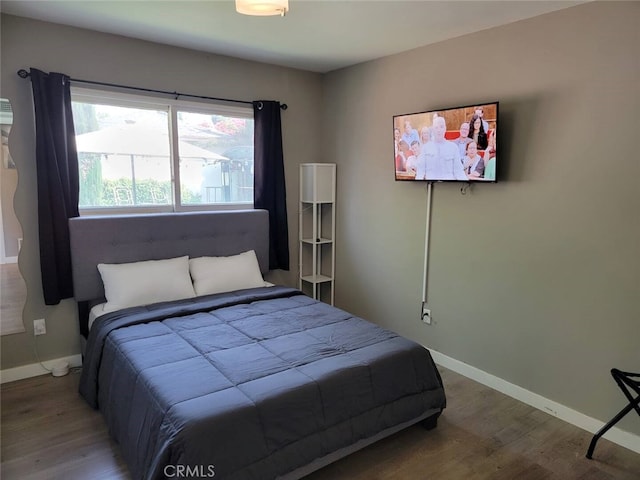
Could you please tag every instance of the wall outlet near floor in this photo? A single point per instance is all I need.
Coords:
(426, 315)
(39, 327)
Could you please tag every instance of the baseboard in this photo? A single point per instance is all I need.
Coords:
(580, 420)
(35, 369)
(9, 260)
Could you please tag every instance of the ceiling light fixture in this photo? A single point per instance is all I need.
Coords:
(262, 7)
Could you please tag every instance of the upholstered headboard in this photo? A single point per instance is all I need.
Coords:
(132, 238)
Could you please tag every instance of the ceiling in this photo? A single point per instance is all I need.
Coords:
(318, 36)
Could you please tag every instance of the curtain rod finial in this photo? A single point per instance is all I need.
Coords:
(22, 73)
(284, 106)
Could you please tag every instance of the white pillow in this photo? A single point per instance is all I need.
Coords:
(141, 283)
(224, 274)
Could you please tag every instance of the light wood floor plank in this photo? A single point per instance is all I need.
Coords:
(49, 432)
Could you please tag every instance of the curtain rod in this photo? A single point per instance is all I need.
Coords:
(22, 73)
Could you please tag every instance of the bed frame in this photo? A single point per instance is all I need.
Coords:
(130, 238)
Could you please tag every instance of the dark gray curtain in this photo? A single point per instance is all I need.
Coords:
(269, 190)
(57, 177)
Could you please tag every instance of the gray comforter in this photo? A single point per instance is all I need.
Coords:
(249, 385)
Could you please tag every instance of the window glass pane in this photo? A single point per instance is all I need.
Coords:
(216, 158)
(123, 154)
(126, 153)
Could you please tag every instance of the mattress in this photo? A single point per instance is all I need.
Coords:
(253, 384)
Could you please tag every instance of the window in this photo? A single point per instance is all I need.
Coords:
(152, 155)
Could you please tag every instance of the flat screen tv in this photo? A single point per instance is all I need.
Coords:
(449, 145)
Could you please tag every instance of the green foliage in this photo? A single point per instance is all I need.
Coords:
(189, 197)
(147, 192)
(90, 171)
(84, 117)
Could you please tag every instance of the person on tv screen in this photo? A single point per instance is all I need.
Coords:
(473, 163)
(425, 135)
(463, 140)
(410, 134)
(477, 133)
(490, 158)
(404, 152)
(415, 163)
(441, 156)
(479, 111)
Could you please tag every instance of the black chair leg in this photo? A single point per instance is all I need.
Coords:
(611, 423)
(623, 379)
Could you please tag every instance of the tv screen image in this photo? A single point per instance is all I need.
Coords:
(450, 145)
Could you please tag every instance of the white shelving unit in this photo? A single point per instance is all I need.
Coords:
(317, 230)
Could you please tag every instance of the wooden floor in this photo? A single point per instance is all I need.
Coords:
(48, 432)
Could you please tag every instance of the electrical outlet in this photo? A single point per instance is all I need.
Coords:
(39, 327)
(426, 315)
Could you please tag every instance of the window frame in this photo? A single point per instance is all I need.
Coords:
(172, 107)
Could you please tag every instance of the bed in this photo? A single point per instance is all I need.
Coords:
(255, 383)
